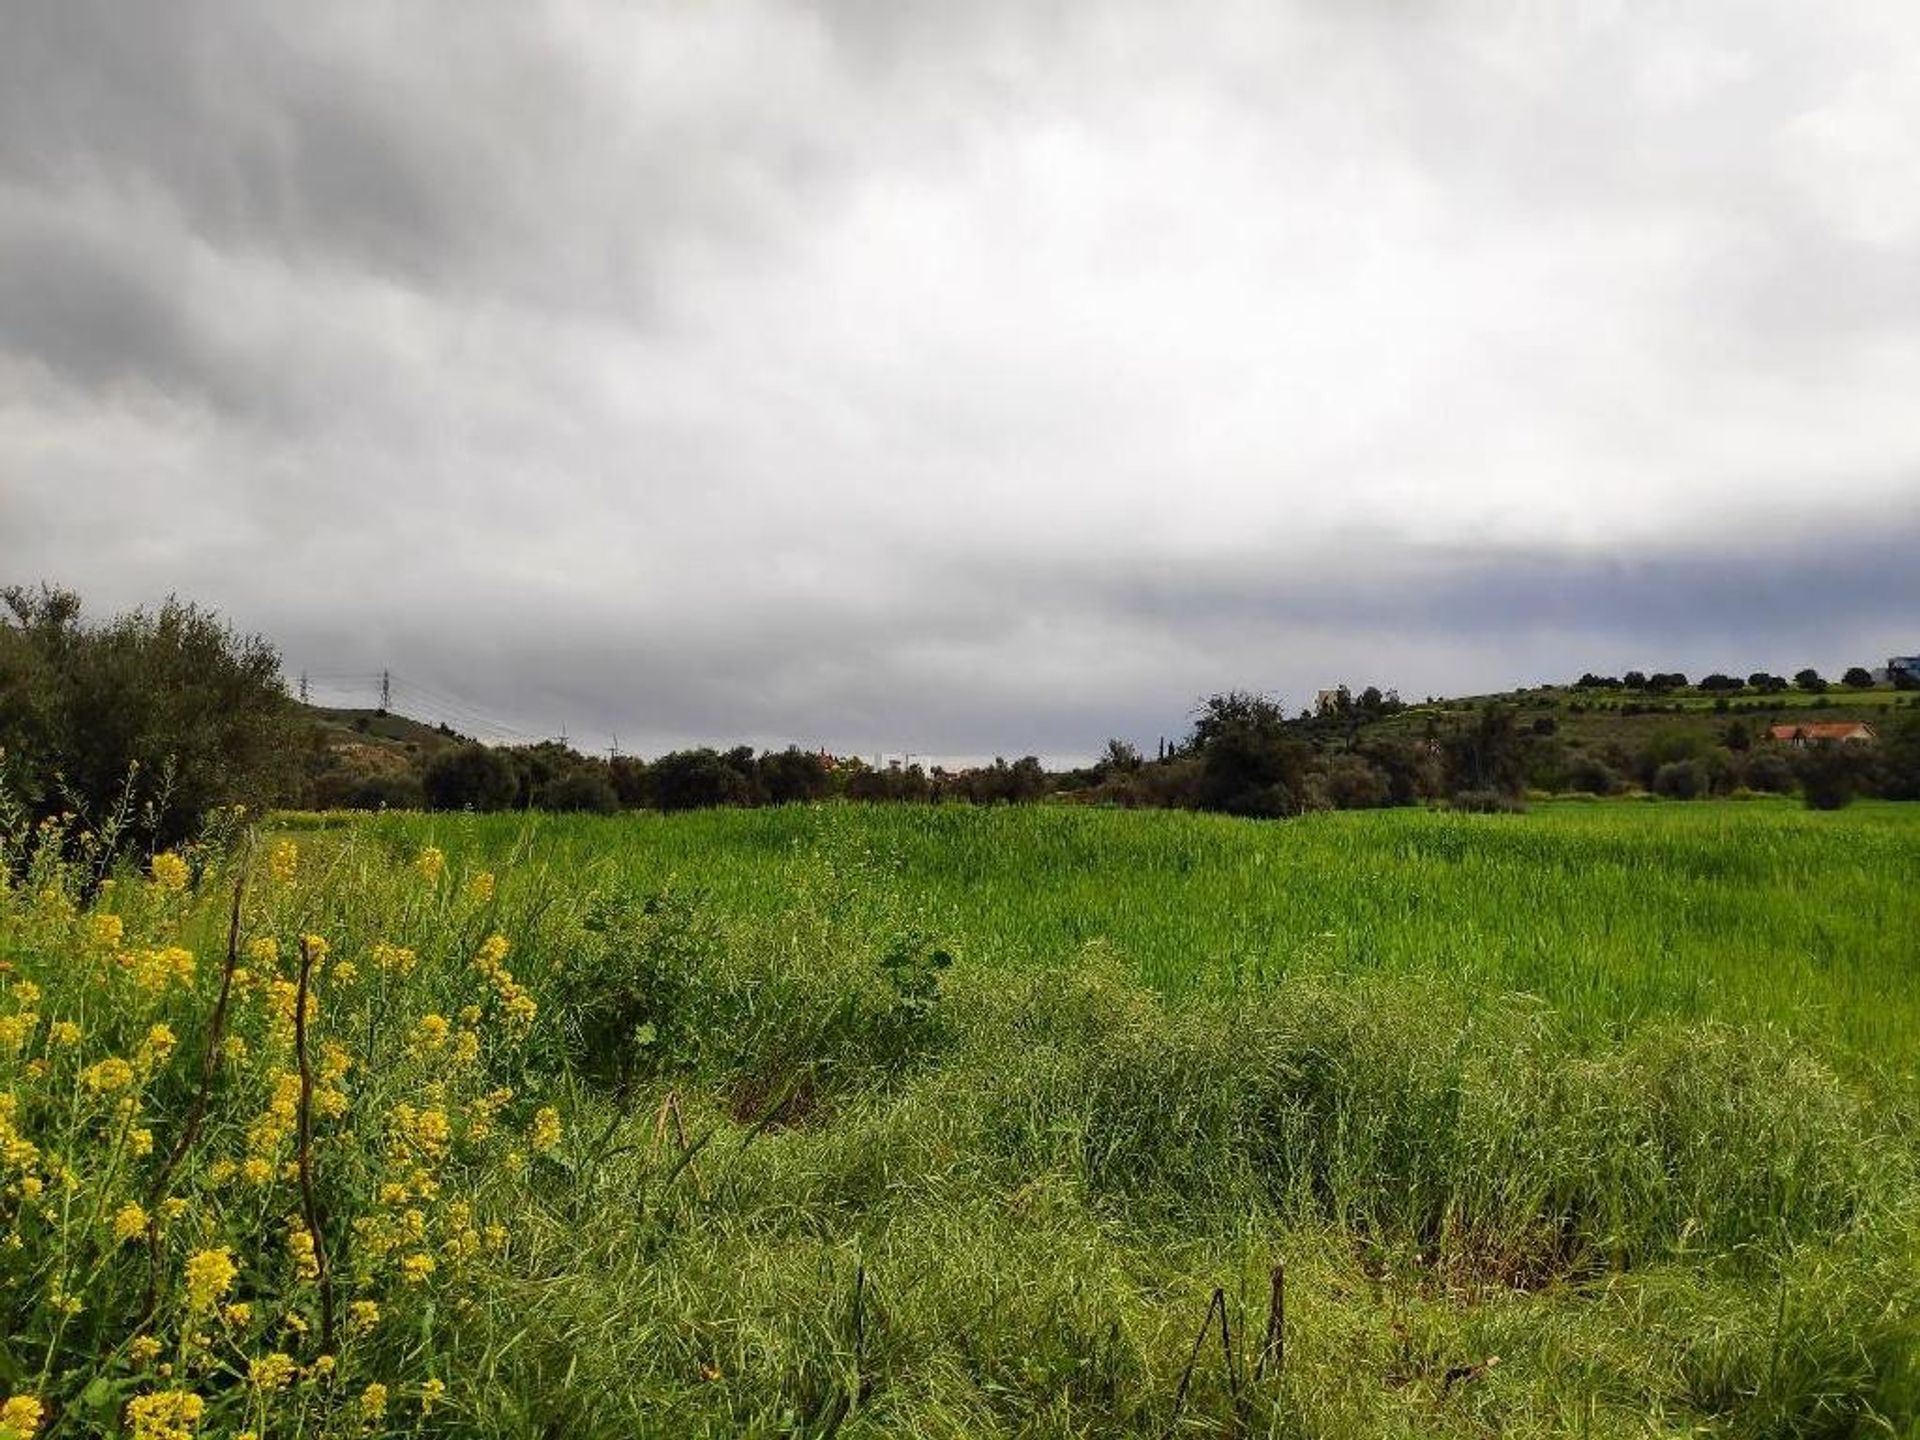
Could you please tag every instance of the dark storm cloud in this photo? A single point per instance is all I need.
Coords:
(967, 378)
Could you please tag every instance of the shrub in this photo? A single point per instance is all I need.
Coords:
(583, 789)
(470, 777)
(1830, 776)
(1768, 771)
(1248, 764)
(794, 775)
(142, 725)
(1593, 775)
(696, 780)
(1351, 783)
(1681, 780)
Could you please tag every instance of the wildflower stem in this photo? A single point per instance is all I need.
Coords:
(308, 1204)
(197, 1110)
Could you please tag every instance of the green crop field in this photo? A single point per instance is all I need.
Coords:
(912, 1121)
(1612, 914)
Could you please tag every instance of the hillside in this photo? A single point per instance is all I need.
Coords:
(365, 758)
(1632, 718)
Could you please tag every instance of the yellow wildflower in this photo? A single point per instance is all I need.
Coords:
(169, 871)
(362, 1315)
(20, 1417)
(64, 1032)
(431, 1132)
(431, 863)
(544, 1133)
(373, 1401)
(335, 1062)
(129, 1222)
(345, 972)
(160, 1042)
(256, 1171)
(316, 947)
(431, 1033)
(140, 1141)
(26, 994)
(481, 887)
(416, 1267)
(106, 931)
(431, 1394)
(393, 959)
(519, 1008)
(154, 969)
(209, 1276)
(265, 950)
(306, 1257)
(165, 1415)
(283, 861)
(234, 1050)
(238, 1314)
(107, 1075)
(493, 950)
(16, 1030)
(271, 1372)
(466, 1047)
(143, 1349)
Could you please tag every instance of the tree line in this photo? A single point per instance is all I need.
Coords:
(134, 730)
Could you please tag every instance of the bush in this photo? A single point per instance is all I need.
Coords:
(1592, 774)
(1248, 764)
(1352, 783)
(1830, 775)
(696, 780)
(142, 725)
(1900, 759)
(470, 777)
(1681, 780)
(794, 776)
(585, 790)
(1769, 772)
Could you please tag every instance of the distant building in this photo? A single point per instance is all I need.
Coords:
(1839, 732)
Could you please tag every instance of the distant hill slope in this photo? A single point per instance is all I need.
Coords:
(380, 728)
(365, 758)
(1630, 718)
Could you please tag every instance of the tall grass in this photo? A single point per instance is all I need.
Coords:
(1612, 914)
(810, 1178)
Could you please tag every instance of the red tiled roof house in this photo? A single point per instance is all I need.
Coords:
(1839, 732)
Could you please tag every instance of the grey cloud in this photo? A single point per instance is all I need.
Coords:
(967, 377)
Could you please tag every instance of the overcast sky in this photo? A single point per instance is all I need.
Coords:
(961, 378)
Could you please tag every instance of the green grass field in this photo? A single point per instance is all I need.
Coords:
(949, 1122)
(1613, 914)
